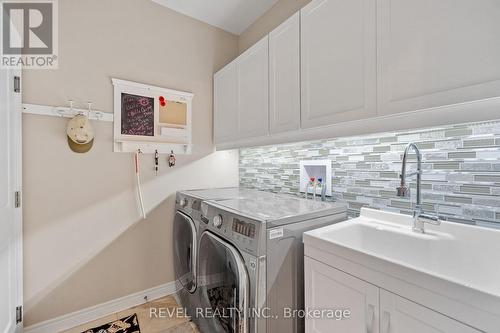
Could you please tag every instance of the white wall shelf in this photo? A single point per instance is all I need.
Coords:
(151, 147)
(66, 112)
(120, 145)
(156, 127)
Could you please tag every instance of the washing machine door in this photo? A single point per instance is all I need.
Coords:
(223, 286)
(185, 251)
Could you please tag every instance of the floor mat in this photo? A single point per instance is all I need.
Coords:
(128, 324)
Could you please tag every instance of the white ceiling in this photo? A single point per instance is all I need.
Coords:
(231, 15)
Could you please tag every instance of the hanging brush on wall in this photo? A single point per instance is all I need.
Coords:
(138, 179)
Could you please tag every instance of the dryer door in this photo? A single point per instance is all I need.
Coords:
(223, 286)
(185, 251)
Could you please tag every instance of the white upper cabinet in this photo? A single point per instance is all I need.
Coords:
(241, 96)
(253, 90)
(226, 104)
(338, 61)
(284, 76)
(435, 53)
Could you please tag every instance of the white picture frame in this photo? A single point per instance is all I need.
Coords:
(179, 144)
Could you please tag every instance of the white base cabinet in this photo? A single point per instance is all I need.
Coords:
(330, 289)
(373, 310)
(399, 315)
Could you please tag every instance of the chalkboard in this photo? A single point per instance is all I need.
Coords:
(138, 115)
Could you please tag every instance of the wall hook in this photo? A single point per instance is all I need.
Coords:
(58, 112)
(171, 159)
(89, 106)
(157, 157)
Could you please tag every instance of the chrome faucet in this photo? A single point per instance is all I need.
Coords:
(419, 218)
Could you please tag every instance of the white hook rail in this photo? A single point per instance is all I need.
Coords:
(66, 112)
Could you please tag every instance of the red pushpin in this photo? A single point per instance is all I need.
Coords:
(162, 99)
(162, 103)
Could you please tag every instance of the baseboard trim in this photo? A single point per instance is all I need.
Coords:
(92, 313)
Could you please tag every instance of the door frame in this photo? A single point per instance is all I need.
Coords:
(12, 88)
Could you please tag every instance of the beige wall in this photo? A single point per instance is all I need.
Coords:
(84, 240)
(282, 10)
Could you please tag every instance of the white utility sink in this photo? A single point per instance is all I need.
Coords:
(467, 255)
(457, 261)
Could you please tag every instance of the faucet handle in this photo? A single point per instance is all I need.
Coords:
(431, 219)
(403, 192)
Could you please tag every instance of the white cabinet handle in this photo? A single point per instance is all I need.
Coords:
(370, 319)
(386, 322)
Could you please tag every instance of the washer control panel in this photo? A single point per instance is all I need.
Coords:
(244, 228)
(241, 231)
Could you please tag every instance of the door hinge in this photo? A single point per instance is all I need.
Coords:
(19, 314)
(17, 199)
(17, 84)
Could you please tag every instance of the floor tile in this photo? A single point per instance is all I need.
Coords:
(149, 324)
(92, 324)
(182, 328)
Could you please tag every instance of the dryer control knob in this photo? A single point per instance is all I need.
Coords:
(183, 202)
(217, 221)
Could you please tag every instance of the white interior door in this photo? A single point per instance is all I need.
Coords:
(10, 212)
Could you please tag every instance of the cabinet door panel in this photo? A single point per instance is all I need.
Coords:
(399, 315)
(253, 94)
(338, 61)
(436, 52)
(284, 76)
(329, 288)
(226, 104)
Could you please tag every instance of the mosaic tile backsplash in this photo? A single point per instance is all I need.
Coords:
(461, 179)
